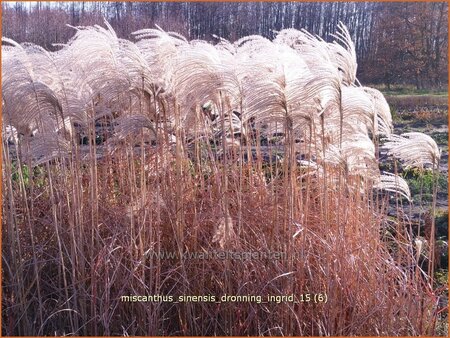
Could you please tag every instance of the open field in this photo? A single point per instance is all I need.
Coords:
(396, 90)
(415, 102)
(409, 98)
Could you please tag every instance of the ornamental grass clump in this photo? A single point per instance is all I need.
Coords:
(128, 155)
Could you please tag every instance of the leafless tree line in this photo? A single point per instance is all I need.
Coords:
(396, 43)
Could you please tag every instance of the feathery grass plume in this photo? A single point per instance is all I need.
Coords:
(344, 57)
(274, 90)
(358, 111)
(414, 149)
(314, 52)
(197, 75)
(359, 155)
(44, 66)
(27, 101)
(224, 44)
(322, 89)
(337, 125)
(419, 243)
(350, 145)
(355, 156)
(133, 125)
(312, 48)
(46, 147)
(393, 183)
(251, 45)
(95, 64)
(158, 48)
(383, 113)
(79, 95)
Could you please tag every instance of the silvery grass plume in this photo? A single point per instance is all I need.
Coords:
(297, 81)
(382, 117)
(193, 73)
(413, 149)
(353, 112)
(340, 54)
(134, 125)
(46, 147)
(356, 156)
(288, 92)
(158, 48)
(393, 183)
(344, 55)
(347, 141)
(286, 86)
(28, 102)
(198, 74)
(358, 111)
(97, 77)
(116, 79)
(354, 117)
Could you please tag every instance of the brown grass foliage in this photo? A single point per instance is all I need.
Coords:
(87, 253)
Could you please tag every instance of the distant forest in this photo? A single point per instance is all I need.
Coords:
(403, 43)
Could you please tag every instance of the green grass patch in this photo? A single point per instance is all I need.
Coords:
(423, 181)
(399, 90)
(441, 138)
